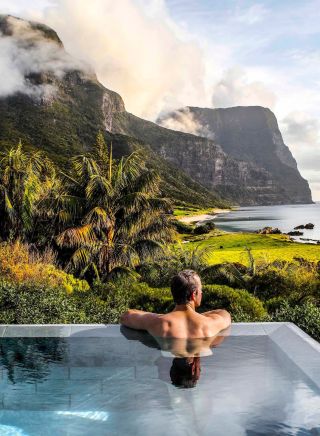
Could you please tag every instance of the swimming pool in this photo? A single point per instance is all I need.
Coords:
(262, 378)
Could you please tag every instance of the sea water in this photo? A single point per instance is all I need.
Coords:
(285, 217)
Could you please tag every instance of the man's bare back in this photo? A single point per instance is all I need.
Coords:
(183, 321)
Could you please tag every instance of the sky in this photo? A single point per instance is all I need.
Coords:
(161, 55)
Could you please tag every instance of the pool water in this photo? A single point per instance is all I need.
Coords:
(117, 386)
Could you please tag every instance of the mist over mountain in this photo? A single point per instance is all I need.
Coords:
(55, 103)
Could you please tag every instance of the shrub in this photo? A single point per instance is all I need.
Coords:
(230, 274)
(240, 303)
(290, 280)
(151, 299)
(306, 316)
(30, 304)
(19, 263)
(182, 228)
(158, 274)
(204, 228)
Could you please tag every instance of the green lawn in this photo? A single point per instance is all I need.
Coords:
(265, 247)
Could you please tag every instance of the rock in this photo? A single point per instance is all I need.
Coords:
(270, 231)
(295, 233)
(309, 226)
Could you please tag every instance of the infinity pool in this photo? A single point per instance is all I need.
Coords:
(261, 379)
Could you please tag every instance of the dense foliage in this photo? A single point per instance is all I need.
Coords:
(83, 245)
(106, 214)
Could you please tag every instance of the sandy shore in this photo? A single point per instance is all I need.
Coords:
(202, 218)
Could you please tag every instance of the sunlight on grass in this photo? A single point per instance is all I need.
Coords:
(231, 247)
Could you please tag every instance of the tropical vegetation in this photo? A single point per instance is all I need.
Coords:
(83, 243)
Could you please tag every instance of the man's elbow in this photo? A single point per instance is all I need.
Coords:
(125, 316)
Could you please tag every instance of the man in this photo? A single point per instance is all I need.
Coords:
(183, 321)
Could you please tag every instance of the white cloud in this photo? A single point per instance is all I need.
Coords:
(24, 52)
(235, 89)
(302, 133)
(184, 121)
(135, 50)
(300, 128)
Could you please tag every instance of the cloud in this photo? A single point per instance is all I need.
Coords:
(302, 133)
(24, 51)
(184, 121)
(235, 89)
(135, 50)
(300, 128)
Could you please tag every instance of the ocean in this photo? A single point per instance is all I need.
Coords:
(285, 217)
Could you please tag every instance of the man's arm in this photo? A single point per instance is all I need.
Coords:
(138, 319)
(221, 317)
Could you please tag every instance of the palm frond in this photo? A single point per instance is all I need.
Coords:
(77, 236)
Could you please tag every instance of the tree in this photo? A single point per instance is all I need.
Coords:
(120, 218)
(33, 202)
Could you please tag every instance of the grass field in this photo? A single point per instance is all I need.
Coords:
(231, 247)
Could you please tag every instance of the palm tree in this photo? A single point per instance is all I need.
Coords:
(33, 202)
(120, 219)
(19, 190)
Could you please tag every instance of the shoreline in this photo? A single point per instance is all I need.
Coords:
(202, 218)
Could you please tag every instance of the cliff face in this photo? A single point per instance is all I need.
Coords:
(252, 134)
(241, 181)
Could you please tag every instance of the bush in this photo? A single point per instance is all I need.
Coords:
(29, 304)
(182, 228)
(159, 274)
(151, 299)
(204, 228)
(19, 263)
(240, 303)
(305, 316)
(230, 274)
(289, 280)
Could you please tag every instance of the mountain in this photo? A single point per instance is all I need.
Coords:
(243, 158)
(60, 107)
(252, 134)
(56, 104)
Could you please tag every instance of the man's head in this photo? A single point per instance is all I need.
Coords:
(186, 287)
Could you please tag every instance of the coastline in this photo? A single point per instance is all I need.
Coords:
(202, 218)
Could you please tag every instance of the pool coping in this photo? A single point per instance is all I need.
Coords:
(294, 342)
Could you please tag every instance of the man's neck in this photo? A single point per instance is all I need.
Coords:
(183, 307)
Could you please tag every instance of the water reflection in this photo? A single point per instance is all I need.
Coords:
(27, 359)
(186, 355)
(185, 372)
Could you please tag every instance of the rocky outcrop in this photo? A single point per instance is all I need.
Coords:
(252, 134)
(241, 182)
(269, 231)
